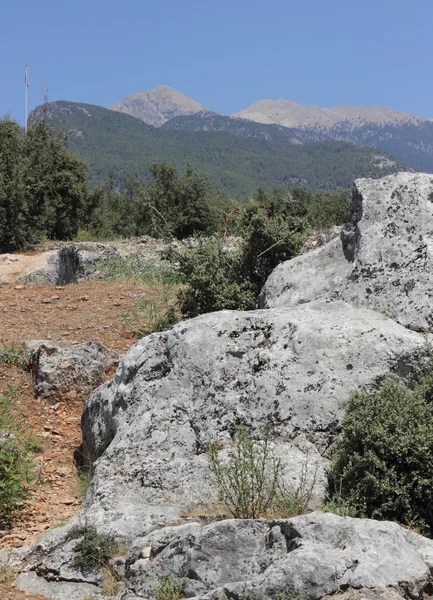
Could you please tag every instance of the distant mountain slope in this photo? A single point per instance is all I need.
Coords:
(158, 106)
(120, 145)
(406, 136)
(210, 121)
(291, 114)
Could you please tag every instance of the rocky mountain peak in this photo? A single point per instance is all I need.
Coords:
(291, 114)
(158, 106)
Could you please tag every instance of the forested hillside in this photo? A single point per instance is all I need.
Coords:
(118, 146)
(411, 142)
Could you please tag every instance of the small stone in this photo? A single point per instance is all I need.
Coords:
(64, 471)
(68, 501)
(146, 552)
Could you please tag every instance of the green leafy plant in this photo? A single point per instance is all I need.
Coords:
(15, 355)
(248, 481)
(93, 549)
(170, 588)
(16, 461)
(383, 464)
(291, 501)
(273, 229)
(214, 280)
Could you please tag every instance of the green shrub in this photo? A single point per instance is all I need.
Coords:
(16, 464)
(214, 280)
(384, 459)
(93, 549)
(273, 230)
(15, 355)
(250, 482)
(169, 588)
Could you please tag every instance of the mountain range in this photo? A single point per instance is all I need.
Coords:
(405, 136)
(117, 146)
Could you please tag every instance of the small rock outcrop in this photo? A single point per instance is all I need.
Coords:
(78, 262)
(62, 373)
(383, 259)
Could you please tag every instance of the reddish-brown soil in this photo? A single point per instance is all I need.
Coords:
(75, 313)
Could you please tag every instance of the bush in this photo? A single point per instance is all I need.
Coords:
(273, 230)
(250, 482)
(93, 549)
(43, 187)
(384, 459)
(215, 280)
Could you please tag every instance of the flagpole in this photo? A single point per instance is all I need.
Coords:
(27, 88)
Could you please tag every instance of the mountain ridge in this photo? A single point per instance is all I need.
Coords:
(407, 137)
(119, 146)
(291, 114)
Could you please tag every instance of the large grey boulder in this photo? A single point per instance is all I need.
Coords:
(382, 260)
(307, 557)
(176, 392)
(65, 372)
(313, 555)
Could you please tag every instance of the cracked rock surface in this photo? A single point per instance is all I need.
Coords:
(383, 258)
(311, 556)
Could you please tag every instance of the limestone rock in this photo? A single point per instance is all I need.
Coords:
(314, 555)
(59, 372)
(311, 556)
(176, 392)
(383, 259)
(77, 262)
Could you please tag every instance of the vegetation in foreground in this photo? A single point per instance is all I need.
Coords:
(170, 588)
(17, 446)
(250, 482)
(383, 466)
(93, 549)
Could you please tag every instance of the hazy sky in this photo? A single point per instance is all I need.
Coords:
(224, 54)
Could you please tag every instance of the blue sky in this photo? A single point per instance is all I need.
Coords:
(223, 54)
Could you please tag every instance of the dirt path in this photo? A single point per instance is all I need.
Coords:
(70, 314)
(67, 315)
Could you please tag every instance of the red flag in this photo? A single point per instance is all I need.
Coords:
(26, 79)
